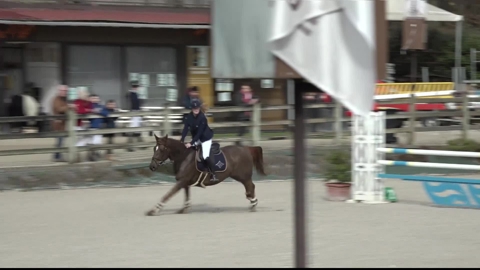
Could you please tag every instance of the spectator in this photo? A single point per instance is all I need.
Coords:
(109, 122)
(15, 108)
(245, 98)
(136, 121)
(59, 107)
(95, 124)
(83, 107)
(192, 93)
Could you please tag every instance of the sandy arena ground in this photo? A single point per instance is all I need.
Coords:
(107, 228)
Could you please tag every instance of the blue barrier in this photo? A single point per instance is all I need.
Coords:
(443, 191)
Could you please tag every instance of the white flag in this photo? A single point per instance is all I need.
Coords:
(330, 43)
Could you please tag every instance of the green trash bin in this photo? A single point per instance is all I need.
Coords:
(390, 195)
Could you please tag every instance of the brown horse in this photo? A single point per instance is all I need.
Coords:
(232, 161)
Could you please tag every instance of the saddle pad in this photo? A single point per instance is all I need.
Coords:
(219, 160)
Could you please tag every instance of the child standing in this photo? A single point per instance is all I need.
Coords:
(96, 123)
(109, 122)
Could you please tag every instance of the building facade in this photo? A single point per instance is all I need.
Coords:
(101, 45)
(100, 48)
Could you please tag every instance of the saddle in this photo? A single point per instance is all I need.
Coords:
(216, 154)
(214, 150)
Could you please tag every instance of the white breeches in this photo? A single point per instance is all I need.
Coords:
(206, 145)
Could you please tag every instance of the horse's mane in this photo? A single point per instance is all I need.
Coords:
(175, 145)
(180, 151)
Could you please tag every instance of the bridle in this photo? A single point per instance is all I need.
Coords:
(161, 163)
(158, 162)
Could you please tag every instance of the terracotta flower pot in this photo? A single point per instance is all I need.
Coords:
(338, 191)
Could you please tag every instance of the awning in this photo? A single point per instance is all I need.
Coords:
(156, 19)
(396, 12)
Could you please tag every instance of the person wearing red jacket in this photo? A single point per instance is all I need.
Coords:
(246, 98)
(82, 107)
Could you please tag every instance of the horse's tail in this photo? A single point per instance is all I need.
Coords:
(257, 155)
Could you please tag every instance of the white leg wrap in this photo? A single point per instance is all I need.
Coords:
(159, 206)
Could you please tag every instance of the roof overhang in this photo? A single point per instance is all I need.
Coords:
(396, 12)
(164, 18)
(108, 24)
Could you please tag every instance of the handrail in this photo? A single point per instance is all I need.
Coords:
(161, 113)
(256, 123)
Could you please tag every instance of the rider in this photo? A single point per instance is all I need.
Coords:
(197, 122)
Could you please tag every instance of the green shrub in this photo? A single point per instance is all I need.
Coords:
(463, 145)
(339, 166)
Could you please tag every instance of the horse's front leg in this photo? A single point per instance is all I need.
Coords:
(159, 206)
(187, 204)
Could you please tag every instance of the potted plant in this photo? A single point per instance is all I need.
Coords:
(338, 176)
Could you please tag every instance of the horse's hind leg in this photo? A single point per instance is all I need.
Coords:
(186, 204)
(250, 193)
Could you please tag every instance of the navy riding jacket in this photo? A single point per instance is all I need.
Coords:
(198, 126)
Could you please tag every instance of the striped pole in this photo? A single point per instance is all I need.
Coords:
(429, 152)
(428, 165)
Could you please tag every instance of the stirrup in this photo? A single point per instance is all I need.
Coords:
(213, 176)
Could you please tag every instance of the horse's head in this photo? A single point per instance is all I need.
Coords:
(161, 152)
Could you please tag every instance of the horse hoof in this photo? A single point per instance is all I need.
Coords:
(183, 211)
(152, 212)
(253, 205)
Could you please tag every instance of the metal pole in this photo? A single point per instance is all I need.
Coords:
(338, 122)
(3, 94)
(256, 121)
(413, 66)
(458, 49)
(473, 64)
(299, 171)
(425, 74)
(167, 124)
(3, 91)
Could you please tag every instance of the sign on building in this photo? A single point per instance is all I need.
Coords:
(172, 95)
(390, 73)
(414, 35)
(415, 8)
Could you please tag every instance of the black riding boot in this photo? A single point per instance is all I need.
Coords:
(211, 168)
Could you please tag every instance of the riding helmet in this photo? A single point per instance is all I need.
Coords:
(195, 104)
